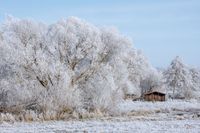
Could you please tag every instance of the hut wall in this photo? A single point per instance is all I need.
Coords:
(154, 97)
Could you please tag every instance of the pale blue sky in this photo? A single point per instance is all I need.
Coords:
(162, 29)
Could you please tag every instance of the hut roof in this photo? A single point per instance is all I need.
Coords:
(155, 92)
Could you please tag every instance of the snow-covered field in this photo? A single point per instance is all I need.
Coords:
(182, 126)
(170, 106)
(170, 116)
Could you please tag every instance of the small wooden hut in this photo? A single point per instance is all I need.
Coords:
(154, 96)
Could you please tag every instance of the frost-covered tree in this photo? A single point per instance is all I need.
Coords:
(36, 77)
(178, 78)
(153, 82)
(67, 65)
(138, 69)
(195, 75)
(86, 51)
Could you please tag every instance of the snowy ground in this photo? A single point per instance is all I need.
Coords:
(107, 125)
(182, 126)
(170, 117)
